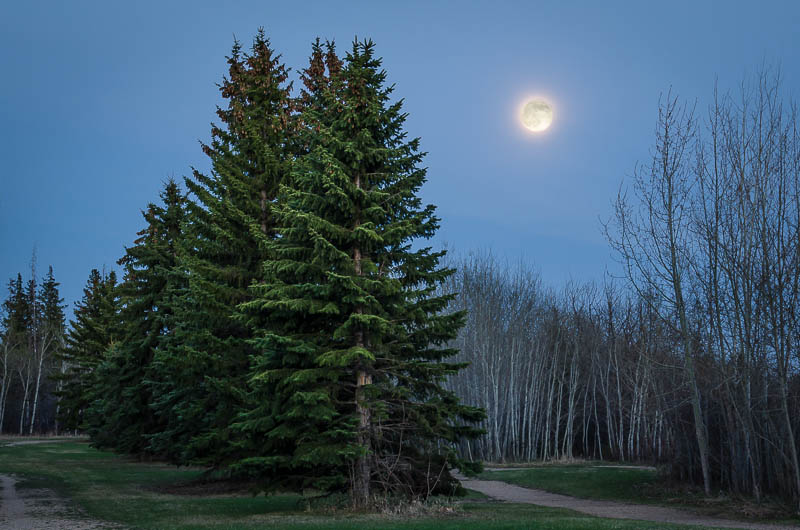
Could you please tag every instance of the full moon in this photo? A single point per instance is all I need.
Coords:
(537, 115)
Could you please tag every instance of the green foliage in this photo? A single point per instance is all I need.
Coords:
(123, 418)
(52, 306)
(348, 326)
(202, 363)
(94, 329)
(16, 317)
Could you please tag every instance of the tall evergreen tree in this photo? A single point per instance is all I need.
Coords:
(51, 302)
(16, 322)
(123, 418)
(204, 362)
(349, 330)
(16, 308)
(92, 332)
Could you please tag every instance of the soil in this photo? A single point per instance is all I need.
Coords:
(615, 510)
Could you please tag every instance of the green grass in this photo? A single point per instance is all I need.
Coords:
(588, 481)
(112, 488)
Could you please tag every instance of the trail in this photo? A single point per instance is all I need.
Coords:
(613, 510)
(39, 508)
(24, 442)
(12, 441)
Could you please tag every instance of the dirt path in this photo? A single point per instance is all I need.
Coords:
(11, 441)
(614, 510)
(24, 442)
(37, 509)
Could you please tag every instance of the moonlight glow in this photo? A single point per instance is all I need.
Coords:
(537, 115)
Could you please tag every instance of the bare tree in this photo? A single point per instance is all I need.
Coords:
(653, 239)
(700, 357)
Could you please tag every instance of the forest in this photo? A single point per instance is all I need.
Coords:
(280, 318)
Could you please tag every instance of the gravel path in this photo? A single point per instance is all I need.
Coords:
(614, 510)
(39, 509)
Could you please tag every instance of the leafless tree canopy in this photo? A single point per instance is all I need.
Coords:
(692, 361)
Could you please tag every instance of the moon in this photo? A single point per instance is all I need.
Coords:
(537, 115)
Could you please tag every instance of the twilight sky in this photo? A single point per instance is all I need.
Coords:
(102, 101)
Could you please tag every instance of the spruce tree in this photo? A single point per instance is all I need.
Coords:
(346, 382)
(51, 302)
(16, 309)
(123, 418)
(92, 332)
(16, 325)
(204, 361)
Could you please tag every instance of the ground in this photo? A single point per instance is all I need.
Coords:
(68, 485)
(599, 508)
(36, 508)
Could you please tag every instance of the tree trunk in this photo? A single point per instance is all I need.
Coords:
(36, 392)
(363, 472)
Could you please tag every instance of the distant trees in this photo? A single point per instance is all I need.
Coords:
(31, 334)
(123, 416)
(16, 328)
(48, 335)
(92, 332)
(577, 372)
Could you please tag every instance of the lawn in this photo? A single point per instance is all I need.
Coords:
(112, 488)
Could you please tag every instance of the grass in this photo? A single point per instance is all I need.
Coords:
(588, 481)
(112, 488)
(596, 480)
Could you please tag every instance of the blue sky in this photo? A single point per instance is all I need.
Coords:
(102, 101)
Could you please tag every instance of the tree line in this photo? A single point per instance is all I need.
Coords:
(32, 328)
(715, 238)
